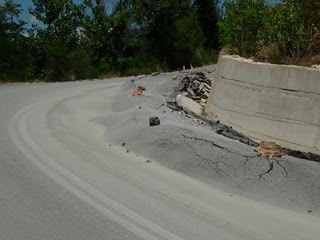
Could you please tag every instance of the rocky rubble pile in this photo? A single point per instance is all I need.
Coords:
(196, 86)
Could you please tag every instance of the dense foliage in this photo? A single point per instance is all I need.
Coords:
(13, 45)
(95, 38)
(284, 32)
(99, 37)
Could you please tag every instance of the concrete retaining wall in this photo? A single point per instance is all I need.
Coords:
(266, 101)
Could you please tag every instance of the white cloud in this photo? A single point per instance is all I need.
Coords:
(25, 34)
(32, 19)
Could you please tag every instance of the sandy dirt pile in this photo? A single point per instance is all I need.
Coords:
(192, 146)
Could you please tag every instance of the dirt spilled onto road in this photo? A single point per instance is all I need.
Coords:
(205, 150)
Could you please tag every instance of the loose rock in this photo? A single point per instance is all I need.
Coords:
(141, 76)
(142, 88)
(137, 92)
(154, 121)
(195, 85)
(269, 149)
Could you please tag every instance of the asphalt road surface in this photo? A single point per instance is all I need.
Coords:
(79, 161)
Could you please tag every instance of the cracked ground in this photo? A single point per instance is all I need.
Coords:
(223, 165)
(190, 146)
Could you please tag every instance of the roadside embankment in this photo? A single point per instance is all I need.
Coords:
(267, 101)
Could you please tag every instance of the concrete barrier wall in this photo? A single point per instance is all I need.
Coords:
(267, 101)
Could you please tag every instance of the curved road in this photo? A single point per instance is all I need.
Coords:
(60, 180)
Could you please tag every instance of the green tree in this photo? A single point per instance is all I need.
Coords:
(208, 15)
(311, 20)
(171, 29)
(283, 32)
(61, 19)
(293, 27)
(61, 55)
(15, 59)
(104, 33)
(285, 28)
(241, 24)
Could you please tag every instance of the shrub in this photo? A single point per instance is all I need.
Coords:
(141, 63)
(64, 64)
(285, 28)
(286, 32)
(242, 22)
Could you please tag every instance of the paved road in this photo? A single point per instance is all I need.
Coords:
(60, 179)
